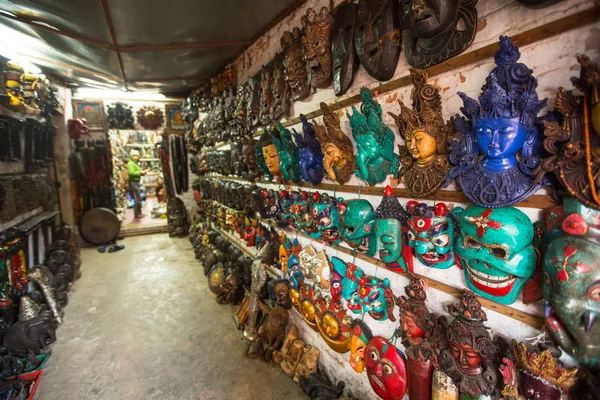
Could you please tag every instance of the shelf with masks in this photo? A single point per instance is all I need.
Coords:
(140, 145)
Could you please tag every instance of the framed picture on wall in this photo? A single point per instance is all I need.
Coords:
(175, 122)
(92, 111)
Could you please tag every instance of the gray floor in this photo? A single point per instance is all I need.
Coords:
(142, 324)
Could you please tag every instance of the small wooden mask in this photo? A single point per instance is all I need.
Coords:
(280, 105)
(266, 94)
(316, 41)
(253, 102)
(345, 61)
(296, 73)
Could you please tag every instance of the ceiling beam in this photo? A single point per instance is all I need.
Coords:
(113, 35)
(174, 78)
(180, 46)
(49, 28)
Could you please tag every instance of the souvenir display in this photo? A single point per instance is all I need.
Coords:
(266, 95)
(391, 217)
(29, 83)
(540, 376)
(334, 326)
(502, 129)
(343, 51)
(376, 298)
(424, 164)
(495, 251)
(302, 216)
(280, 106)
(357, 225)
(467, 352)
(572, 279)
(349, 276)
(294, 273)
(259, 277)
(289, 156)
(386, 369)
(361, 336)
(119, 116)
(316, 43)
(573, 150)
(375, 158)
(296, 72)
(311, 157)
(12, 72)
(418, 331)
(338, 157)
(325, 214)
(431, 233)
(310, 304)
(267, 157)
(377, 37)
(315, 266)
(150, 118)
(33, 332)
(434, 31)
(253, 107)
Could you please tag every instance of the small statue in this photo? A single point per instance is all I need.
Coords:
(338, 157)
(280, 106)
(418, 330)
(431, 233)
(357, 225)
(43, 278)
(266, 95)
(374, 141)
(316, 43)
(267, 156)
(377, 37)
(572, 279)
(345, 61)
(386, 369)
(176, 217)
(423, 159)
(259, 277)
(502, 128)
(296, 73)
(289, 156)
(271, 334)
(391, 218)
(311, 157)
(119, 116)
(308, 364)
(495, 250)
(253, 108)
(361, 336)
(431, 33)
(467, 350)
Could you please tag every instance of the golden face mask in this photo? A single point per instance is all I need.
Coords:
(271, 159)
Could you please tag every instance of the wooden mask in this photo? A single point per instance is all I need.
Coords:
(345, 62)
(296, 73)
(266, 94)
(280, 106)
(316, 42)
(253, 102)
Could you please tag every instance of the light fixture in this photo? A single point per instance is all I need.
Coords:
(92, 93)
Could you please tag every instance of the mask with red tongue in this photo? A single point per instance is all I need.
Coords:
(386, 369)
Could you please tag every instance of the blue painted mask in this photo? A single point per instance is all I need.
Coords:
(311, 156)
(296, 277)
(498, 145)
(357, 225)
(326, 217)
(376, 298)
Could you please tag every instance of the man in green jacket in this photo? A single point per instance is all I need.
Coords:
(135, 174)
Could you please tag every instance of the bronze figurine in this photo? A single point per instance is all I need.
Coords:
(316, 42)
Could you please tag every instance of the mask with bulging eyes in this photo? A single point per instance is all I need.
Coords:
(386, 369)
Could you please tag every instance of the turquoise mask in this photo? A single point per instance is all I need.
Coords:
(388, 230)
(431, 233)
(326, 217)
(376, 298)
(572, 279)
(351, 276)
(495, 251)
(357, 225)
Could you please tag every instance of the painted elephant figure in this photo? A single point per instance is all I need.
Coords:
(35, 335)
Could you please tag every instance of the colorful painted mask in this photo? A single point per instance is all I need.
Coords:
(311, 304)
(376, 298)
(326, 217)
(267, 157)
(12, 84)
(334, 327)
(502, 128)
(350, 276)
(418, 332)
(266, 94)
(345, 62)
(289, 157)
(250, 225)
(285, 251)
(572, 279)
(338, 157)
(281, 92)
(315, 266)
(377, 37)
(361, 336)
(253, 102)
(311, 157)
(495, 251)
(540, 376)
(296, 73)
(431, 233)
(302, 215)
(271, 203)
(286, 199)
(566, 143)
(386, 369)
(431, 33)
(293, 271)
(375, 158)
(390, 218)
(467, 350)
(316, 41)
(423, 159)
(357, 225)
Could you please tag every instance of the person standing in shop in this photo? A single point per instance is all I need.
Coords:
(135, 174)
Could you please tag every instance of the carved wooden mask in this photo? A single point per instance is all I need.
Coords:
(266, 94)
(377, 37)
(345, 62)
(296, 74)
(316, 43)
(280, 106)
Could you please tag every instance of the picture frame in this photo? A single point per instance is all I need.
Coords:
(175, 121)
(92, 111)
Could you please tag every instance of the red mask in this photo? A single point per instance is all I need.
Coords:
(386, 369)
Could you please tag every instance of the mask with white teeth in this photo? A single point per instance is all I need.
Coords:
(572, 279)
(431, 233)
(357, 225)
(495, 250)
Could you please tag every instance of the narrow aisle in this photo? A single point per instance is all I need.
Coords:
(142, 324)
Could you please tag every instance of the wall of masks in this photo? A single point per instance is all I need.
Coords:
(430, 136)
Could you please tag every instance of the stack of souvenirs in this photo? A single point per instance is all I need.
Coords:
(38, 265)
(499, 152)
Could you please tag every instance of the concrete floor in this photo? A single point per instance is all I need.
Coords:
(142, 324)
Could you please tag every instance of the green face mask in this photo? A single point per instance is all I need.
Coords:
(357, 225)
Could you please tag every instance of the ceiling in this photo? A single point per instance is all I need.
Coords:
(166, 46)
